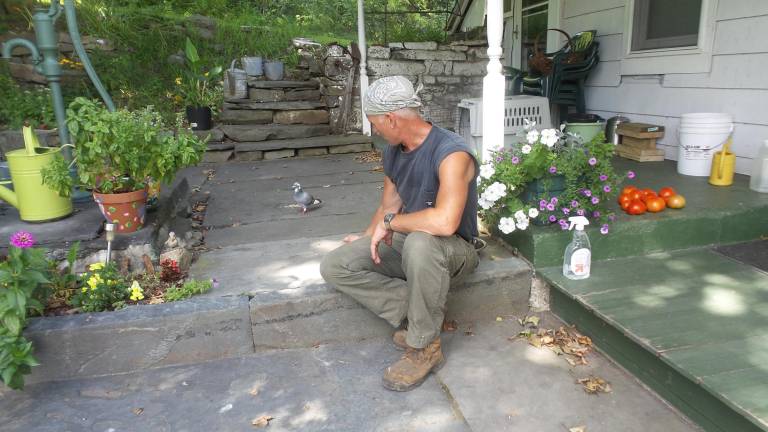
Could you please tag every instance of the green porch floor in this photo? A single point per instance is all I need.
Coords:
(713, 215)
(692, 324)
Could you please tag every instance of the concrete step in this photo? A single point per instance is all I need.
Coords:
(247, 104)
(300, 143)
(261, 84)
(246, 133)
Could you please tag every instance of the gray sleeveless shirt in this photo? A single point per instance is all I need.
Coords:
(416, 175)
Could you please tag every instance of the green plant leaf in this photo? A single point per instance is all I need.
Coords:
(191, 52)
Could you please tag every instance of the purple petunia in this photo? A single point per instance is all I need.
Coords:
(563, 224)
(543, 203)
(596, 214)
(630, 174)
(553, 170)
(595, 200)
(603, 177)
(515, 160)
(551, 207)
(553, 200)
(612, 217)
(580, 212)
(592, 161)
(499, 158)
(566, 210)
(606, 188)
(23, 239)
(552, 218)
(587, 192)
(604, 229)
(574, 203)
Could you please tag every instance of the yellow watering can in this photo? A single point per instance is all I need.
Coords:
(723, 164)
(35, 201)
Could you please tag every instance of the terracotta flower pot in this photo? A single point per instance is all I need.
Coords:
(126, 210)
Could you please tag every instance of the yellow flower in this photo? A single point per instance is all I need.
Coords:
(177, 98)
(136, 291)
(205, 74)
(96, 266)
(178, 80)
(84, 289)
(94, 281)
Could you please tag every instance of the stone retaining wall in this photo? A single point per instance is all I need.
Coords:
(448, 72)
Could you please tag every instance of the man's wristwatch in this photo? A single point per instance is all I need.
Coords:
(387, 219)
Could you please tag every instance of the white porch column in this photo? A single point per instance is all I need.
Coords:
(493, 83)
(363, 56)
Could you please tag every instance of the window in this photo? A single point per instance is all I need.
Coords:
(665, 24)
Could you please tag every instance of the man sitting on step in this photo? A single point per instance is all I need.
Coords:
(419, 240)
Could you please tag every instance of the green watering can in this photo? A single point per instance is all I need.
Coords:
(35, 201)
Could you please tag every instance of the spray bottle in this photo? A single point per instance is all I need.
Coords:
(578, 253)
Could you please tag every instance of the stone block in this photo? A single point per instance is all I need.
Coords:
(379, 52)
(428, 79)
(430, 45)
(477, 53)
(448, 67)
(428, 55)
(214, 135)
(217, 156)
(396, 45)
(181, 256)
(302, 95)
(454, 47)
(279, 154)
(301, 117)
(395, 67)
(219, 146)
(317, 151)
(350, 148)
(469, 68)
(448, 79)
(246, 116)
(335, 51)
(338, 66)
(248, 133)
(26, 72)
(434, 67)
(332, 101)
(334, 90)
(249, 156)
(266, 95)
(140, 337)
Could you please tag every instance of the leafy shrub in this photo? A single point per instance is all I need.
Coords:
(102, 288)
(21, 104)
(189, 289)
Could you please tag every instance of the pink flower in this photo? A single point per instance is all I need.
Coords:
(580, 212)
(595, 200)
(551, 207)
(515, 160)
(604, 229)
(606, 188)
(596, 214)
(603, 177)
(23, 239)
(552, 218)
(592, 161)
(566, 210)
(630, 174)
(553, 169)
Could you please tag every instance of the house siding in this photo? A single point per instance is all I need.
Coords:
(737, 82)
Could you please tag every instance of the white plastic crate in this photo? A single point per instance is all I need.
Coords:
(516, 110)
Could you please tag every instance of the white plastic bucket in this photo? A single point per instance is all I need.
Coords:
(697, 146)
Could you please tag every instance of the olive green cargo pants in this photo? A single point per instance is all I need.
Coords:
(412, 280)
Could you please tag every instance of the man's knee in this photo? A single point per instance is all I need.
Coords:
(331, 266)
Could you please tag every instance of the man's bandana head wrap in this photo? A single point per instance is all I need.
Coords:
(390, 94)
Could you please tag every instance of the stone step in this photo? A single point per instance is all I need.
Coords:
(256, 83)
(300, 143)
(250, 133)
(238, 116)
(291, 306)
(279, 95)
(247, 104)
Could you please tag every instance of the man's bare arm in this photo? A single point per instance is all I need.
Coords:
(390, 203)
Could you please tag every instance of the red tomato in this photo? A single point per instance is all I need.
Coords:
(647, 196)
(636, 207)
(624, 197)
(666, 192)
(636, 195)
(676, 202)
(656, 204)
(628, 189)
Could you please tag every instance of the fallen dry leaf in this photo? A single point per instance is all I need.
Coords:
(137, 411)
(261, 422)
(450, 325)
(371, 156)
(593, 385)
(578, 429)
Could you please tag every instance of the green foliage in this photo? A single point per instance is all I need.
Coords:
(20, 104)
(118, 151)
(590, 182)
(57, 175)
(102, 288)
(63, 282)
(21, 280)
(199, 85)
(189, 289)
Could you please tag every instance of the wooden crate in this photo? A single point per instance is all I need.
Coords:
(640, 130)
(640, 154)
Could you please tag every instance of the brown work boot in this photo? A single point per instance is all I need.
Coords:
(413, 367)
(399, 339)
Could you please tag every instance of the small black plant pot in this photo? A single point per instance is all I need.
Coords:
(199, 117)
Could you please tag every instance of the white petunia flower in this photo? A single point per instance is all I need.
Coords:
(532, 136)
(484, 203)
(506, 225)
(526, 149)
(522, 225)
(486, 171)
(532, 212)
(520, 215)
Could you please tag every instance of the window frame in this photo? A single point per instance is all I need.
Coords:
(687, 59)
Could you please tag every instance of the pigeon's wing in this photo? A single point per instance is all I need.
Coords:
(303, 198)
(316, 204)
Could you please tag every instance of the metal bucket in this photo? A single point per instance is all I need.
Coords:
(274, 70)
(253, 66)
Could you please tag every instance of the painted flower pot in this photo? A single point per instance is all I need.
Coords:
(126, 210)
(199, 118)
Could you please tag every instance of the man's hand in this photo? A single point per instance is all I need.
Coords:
(379, 233)
(351, 237)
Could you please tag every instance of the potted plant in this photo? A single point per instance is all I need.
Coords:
(199, 88)
(550, 176)
(118, 152)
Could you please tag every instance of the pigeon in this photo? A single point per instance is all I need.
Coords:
(304, 199)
